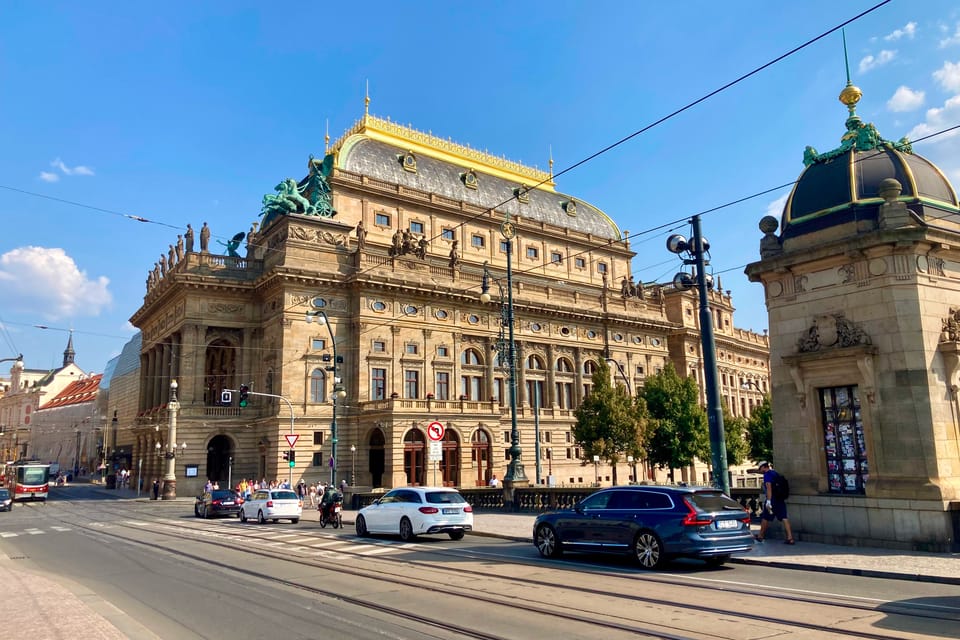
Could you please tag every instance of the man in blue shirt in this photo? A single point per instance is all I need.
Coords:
(773, 507)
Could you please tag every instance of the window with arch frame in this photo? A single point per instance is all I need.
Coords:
(471, 356)
(534, 362)
(564, 365)
(318, 385)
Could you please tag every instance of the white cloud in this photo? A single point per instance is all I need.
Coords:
(46, 176)
(79, 170)
(47, 281)
(882, 58)
(908, 31)
(949, 76)
(951, 40)
(775, 208)
(905, 99)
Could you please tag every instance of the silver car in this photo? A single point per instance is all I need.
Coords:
(6, 500)
(272, 504)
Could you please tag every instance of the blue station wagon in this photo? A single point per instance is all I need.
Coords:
(651, 523)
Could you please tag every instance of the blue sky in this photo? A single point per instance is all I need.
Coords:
(189, 112)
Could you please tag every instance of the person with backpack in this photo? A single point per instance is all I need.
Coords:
(776, 491)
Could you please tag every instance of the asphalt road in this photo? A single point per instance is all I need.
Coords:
(150, 569)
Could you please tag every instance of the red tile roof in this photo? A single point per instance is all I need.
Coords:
(77, 392)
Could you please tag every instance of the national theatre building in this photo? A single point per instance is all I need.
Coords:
(355, 303)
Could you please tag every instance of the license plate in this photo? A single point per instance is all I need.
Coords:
(728, 524)
(450, 511)
(228, 504)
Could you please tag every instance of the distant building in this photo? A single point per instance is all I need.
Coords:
(67, 427)
(388, 236)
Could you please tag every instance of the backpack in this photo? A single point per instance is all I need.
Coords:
(780, 488)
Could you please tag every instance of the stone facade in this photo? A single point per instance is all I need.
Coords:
(406, 336)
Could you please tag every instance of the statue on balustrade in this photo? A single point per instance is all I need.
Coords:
(204, 238)
(188, 236)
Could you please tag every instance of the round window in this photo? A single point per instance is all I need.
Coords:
(565, 331)
(637, 340)
(379, 305)
(655, 342)
(535, 326)
(591, 334)
(410, 310)
(473, 319)
(441, 314)
(318, 303)
(618, 337)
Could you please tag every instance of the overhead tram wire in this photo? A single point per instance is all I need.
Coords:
(671, 115)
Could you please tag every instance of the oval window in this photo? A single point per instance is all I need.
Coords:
(473, 319)
(618, 337)
(410, 310)
(591, 334)
(535, 326)
(565, 331)
(637, 340)
(318, 303)
(379, 305)
(441, 314)
(655, 342)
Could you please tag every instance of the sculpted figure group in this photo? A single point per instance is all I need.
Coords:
(184, 246)
(404, 243)
(630, 289)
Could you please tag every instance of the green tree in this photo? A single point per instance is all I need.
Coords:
(760, 431)
(679, 431)
(735, 438)
(610, 423)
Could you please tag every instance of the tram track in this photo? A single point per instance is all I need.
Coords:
(618, 586)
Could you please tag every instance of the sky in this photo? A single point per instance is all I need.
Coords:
(185, 112)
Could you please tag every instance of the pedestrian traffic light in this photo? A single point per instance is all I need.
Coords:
(244, 394)
(286, 455)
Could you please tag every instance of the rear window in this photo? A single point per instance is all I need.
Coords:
(444, 497)
(285, 495)
(711, 501)
(4, 493)
(221, 494)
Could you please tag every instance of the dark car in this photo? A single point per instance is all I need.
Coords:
(6, 500)
(219, 502)
(653, 524)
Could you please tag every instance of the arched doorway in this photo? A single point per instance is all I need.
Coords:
(450, 458)
(414, 457)
(376, 458)
(219, 459)
(480, 454)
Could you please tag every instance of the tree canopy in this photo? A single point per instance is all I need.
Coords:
(735, 438)
(678, 424)
(760, 431)
(610, 423)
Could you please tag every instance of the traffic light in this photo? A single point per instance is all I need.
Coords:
(293, 455)
(286, 455)
(244, 394)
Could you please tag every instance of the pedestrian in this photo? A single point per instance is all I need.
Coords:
(775, 503)
(343, 485)
(208, 487)
(313, 495)
(494, 482)
(156, 488)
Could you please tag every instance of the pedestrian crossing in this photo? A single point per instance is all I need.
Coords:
(304, 544)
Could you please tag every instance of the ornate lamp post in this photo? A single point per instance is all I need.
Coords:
(353, 467)
(515, 474)
(170, 478)
(694, 251)
(338, 392)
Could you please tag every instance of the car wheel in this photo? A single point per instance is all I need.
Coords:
(361, 526)
(718, 561)
(406, 530)
(260, 518)
(243, 516)
(648, 550)
(456, 535)
(547, 542)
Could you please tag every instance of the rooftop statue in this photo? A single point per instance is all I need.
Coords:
(233, 244)
(310, 199)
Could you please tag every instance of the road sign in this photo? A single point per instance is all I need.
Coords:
(435, 431)
(436, 451)
(292, 439)
(226, 397)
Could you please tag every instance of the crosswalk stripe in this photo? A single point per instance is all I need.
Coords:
(8, 534)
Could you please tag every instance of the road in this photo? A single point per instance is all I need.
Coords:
(152, 570)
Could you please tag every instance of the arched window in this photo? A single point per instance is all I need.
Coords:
(471, 356)
(535, 362)
(318, 386)
(589, 367)
(564, 365)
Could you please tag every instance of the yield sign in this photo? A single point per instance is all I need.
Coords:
(435, 431)
(292, 439)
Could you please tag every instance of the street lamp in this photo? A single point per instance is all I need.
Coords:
(170, 478)
(596, 470)
(623, 375)
(683, 281)
(549, 466)
(515, 474)
(338, 392)
(353, 468)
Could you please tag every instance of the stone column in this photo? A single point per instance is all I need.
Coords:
(578, 376)
(550, 391)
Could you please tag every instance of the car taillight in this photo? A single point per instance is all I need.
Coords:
(239, 500)
(429, 510)
(694, 519)
(468, 509)
(269, 504)
(216, 502)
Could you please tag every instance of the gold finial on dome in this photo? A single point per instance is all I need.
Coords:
(851, 94)
(366, 101)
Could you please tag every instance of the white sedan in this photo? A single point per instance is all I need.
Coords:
(272, 504)
(412, 511)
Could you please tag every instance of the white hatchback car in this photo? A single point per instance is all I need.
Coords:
(412, 511)
(272, 504)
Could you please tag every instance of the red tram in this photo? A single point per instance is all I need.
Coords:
(27, 480)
